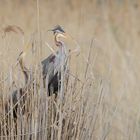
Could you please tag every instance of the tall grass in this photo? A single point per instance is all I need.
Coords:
(84, 112)
(101, 99)
(78, 115)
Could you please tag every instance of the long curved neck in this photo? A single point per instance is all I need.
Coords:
(58, 42)
(24, 70)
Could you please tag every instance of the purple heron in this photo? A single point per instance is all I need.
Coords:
(55, 65)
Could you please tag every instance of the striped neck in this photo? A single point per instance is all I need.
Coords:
(24, 70)
(57, 40)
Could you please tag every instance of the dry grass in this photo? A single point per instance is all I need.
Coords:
(102, 96)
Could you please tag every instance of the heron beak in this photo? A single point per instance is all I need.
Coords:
(49, 30)
(21, 55)
(64, 35)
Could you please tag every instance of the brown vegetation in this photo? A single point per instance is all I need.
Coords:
(102, 96)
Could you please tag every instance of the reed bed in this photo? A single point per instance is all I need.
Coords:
(75, 116)
(84, 112)
(101, 96)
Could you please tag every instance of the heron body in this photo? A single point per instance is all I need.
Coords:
(17, 95)
(55, 64)
(52, 68)
(20, 94)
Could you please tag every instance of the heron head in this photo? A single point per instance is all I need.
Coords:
(59, 31)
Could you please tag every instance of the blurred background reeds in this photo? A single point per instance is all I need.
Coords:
(104, 104)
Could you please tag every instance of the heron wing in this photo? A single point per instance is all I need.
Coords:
(48, 66)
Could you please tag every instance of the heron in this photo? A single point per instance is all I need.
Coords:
(55, 65)
(19, 95)
(18, 98)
